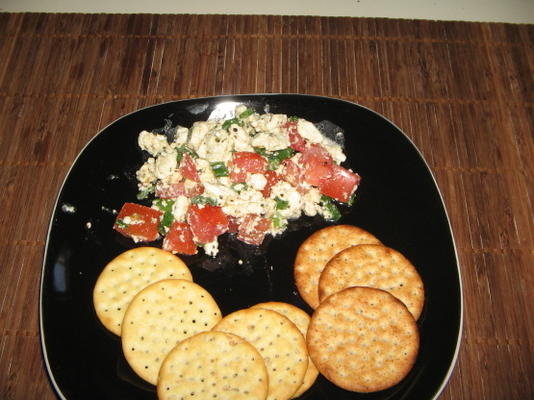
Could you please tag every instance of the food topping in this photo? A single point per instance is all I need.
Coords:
(253, 172)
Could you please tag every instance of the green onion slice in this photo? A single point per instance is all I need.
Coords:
(281, 204)
(247, 113)
(219, 169)
(203, 200)
(329, 205)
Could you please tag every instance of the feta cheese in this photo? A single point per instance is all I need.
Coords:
(309, 131)
(182, 135)
(257, 181)
(334, 149)
(220, 193)
(165, 165)
(241, 139)
(146, 175)
(271, 141)
(204, 171)
(179, 208)
(248, 201)
(311, 202)
(216, 146)
(198, 131)
(269, 122)
(286, 192)
(153, 143)
(211, 248)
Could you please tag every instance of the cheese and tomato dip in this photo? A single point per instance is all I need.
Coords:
(249, 176)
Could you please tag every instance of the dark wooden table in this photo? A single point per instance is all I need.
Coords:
(463, 92)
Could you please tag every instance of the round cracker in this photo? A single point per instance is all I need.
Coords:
(363, 339)
(279, 342)
(301, 319)
(213, 365)
(375, 266)
(160, 316)
(128, 273)
(316, 251)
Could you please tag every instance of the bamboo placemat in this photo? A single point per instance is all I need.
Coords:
(463, 92)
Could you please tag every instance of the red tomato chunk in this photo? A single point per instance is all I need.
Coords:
(253, 228)
(206, 222)
(179, 239)
(341, 184)
(170, 191)
(296, 141)
(317, 164)
(244, 163)
(188, 168)
(138, 222)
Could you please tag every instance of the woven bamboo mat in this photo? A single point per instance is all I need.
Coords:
(464, 93)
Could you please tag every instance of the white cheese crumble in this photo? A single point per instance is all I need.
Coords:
(153, 143)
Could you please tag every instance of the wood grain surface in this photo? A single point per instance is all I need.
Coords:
(463, 92)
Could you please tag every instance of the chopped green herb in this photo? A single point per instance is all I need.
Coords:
(280, 155)
(239, 187)
(247, 113)
(121, 224)
(143, 194)
(167, 219)
(166, 222)
(281, 204)
(275, 158)
(163, 204)
(219, 169)
(261, 151)
(293, 119)
(329, 206)
(278, 221)
(351, 199)
(180, 151)
(203, 200)
(229, 122)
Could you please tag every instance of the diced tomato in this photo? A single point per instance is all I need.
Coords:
(245, 162)
(184, 188)
(292, 174)
(188, 169)
(296, 141)
(341, 184)
(206, 222)
(138, 222)
(272, 178)
(253, 229)
(317, 164)
(179, 239)
(233, 224)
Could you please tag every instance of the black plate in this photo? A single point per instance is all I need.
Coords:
(398, 201)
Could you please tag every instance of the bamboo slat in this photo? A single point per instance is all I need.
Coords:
(463, 92)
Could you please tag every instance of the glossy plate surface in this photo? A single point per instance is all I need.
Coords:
(398, 201)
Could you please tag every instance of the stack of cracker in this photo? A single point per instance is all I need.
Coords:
(174, 336)
(363, 334)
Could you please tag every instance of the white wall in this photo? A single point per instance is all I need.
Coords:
(515, 11)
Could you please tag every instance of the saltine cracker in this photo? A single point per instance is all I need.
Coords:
(375, 266)
(279, 342)
(363, 339)
(160, 316)
(124, 276)
(316, 251)
(213, 365)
